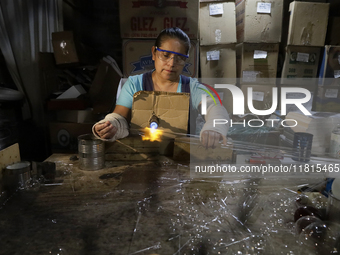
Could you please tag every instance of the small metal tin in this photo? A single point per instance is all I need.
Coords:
(17, 175)
(91, 152)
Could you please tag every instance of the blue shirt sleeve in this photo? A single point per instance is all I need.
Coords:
(130, 87)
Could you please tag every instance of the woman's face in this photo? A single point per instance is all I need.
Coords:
(169, 70)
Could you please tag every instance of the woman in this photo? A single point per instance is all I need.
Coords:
(169, 55)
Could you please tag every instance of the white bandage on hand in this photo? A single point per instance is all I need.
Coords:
(216, 112)
(117, 121)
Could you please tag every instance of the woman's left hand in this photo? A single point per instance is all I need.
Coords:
(210, 139)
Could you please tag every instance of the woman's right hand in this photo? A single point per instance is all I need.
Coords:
(105, 130)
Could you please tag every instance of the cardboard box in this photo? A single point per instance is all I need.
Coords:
(257, 62)
(262, 96)
(259, 21)
(172, 109)
(64, 136)
(146, 19)
(105, 85)
(330, 67)
(218, 61)
(307, 23)
(217, 24)
(301, 65)
(137, 58)
(328, 99)
(311, 87)
(333, 35)
(68, 104)
(64, 48)
(76, 116)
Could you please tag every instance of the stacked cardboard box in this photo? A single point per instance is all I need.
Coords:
(217, 33)
(72, 115)
(306, 35)
(217, 28)
(258, 26)
(328, 96)
(142, 21)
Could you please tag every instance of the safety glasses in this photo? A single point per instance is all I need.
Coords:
(166, 56)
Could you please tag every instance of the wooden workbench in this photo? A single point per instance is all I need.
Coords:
(148, 207)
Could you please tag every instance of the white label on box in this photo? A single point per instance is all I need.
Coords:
(302, 57)
(331, 93)
(258, 96)
(213, 55)
(216, 9)
(260, 54)
(264, 7)
(249, 76)
(336, 73)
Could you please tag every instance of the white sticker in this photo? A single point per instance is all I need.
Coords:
(336, 73)
(218, 35)
(260, 54)
(331, 93)
(258, 96)
(302, 57)
(264, 7)
(213, 55)
(216, 9)
(249, 76)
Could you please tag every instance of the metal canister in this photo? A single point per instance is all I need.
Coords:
(91, 152)
(17, 175)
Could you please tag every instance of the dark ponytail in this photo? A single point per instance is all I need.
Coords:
(173, 32)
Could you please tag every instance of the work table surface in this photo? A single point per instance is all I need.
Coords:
(149, 207)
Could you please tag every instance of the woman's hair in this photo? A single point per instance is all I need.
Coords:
(173, 32)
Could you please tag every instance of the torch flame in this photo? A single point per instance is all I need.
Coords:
(152, 134)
